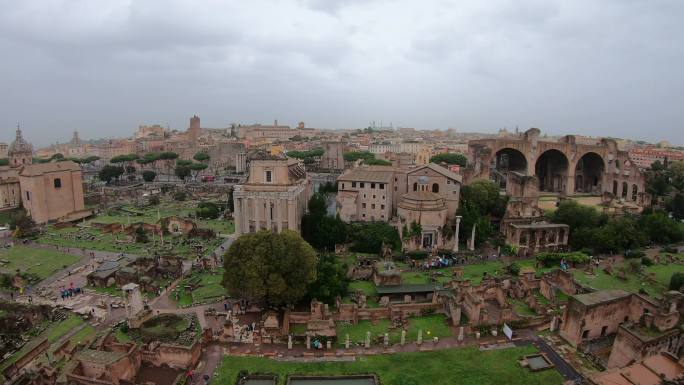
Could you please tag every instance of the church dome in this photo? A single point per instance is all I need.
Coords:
(20, 145)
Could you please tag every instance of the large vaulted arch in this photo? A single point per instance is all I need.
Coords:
(552, 170)
(509, 159)
(589, 173)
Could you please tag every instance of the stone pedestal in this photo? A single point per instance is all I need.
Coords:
(289, 342)
(368, 336)
(346, 341)
(460, 333)
(328, 344)
(419, 341)
(435, 340)
(308, 342)
(477, 335)
(386, 340)
(495, 332)
(403, 337)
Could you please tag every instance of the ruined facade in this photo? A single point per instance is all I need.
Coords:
(567, 165)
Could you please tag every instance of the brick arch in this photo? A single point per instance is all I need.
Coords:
(552, 167)
(591, 176)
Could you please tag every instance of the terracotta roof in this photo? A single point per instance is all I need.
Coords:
(44, 168)
(369, 174)
(441, 170)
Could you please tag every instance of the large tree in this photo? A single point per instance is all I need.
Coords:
(322, 231)
(109, 172)
(331, 279)
(270, 268)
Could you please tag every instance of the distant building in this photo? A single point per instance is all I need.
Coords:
(333, 156)
(274, 197)
(3, 150)
(48, 191)
(644, 157)
(428, 195)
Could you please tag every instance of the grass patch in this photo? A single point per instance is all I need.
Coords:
(207, 285)
(463, 366)
(433, 326)
(367, 287)
(521, 308)
(42, 263)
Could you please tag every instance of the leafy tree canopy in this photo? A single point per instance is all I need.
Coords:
(201, 156)
(377, 162)
(331, 280)
(450, 158)
(109, 172)
(149, 175)
(270, 268)
(356, 155)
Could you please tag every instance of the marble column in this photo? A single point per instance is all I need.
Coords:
(291, 215)
(278, 215)
(268, 215)
(458, 228)
(237, 215)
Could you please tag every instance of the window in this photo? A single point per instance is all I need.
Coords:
(269, 176)
(415, 186)
(373, 206)
(382, 207)
(342, 186)
(603, 331)
(363, 215)
(372, 185)
(57, 182)
(435, 188)
(382, 186)
(373, 196)
(353, 184)
(585, 334)
(448, 182)
(363, 205)
(28, 195)
(362, 185)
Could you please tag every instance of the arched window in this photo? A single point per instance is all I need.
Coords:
(415, 186)
(615, 186)
(435, 188)
(625, 189)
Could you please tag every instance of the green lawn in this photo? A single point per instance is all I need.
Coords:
(601, 280)
(42, 263)
(433, 326)
(464, 366)
(112, 290)
(367, 287)
(521, 308)
(208, 289)
(474, 272)
(81, 238)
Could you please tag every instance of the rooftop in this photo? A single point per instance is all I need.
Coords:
(407, 288)
(382, 174)
(99, 356)
(44, 168)
(601, 296)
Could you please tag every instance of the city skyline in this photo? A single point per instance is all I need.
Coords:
(103, 68)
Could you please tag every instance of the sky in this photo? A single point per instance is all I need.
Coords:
(103, 67)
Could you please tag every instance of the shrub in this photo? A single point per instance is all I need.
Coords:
(148, 175)
(646, 261)
(551, 258)
(154, 200)
(514, 269)
(180, 196)
(417, 254)
(207, 210)
(634, 254)
(677, 281)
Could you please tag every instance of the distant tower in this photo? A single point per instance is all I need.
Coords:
(301, 125)
(76, 141)
(194, 131)
(20, 152)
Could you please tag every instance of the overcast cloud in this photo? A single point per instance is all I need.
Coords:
(594, 67)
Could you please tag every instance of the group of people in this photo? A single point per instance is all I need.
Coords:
(68, 292)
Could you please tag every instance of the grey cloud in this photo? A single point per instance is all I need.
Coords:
(104, 66)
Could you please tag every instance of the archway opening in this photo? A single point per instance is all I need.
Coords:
(507, 160)
(589, 173)
(552, 170)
